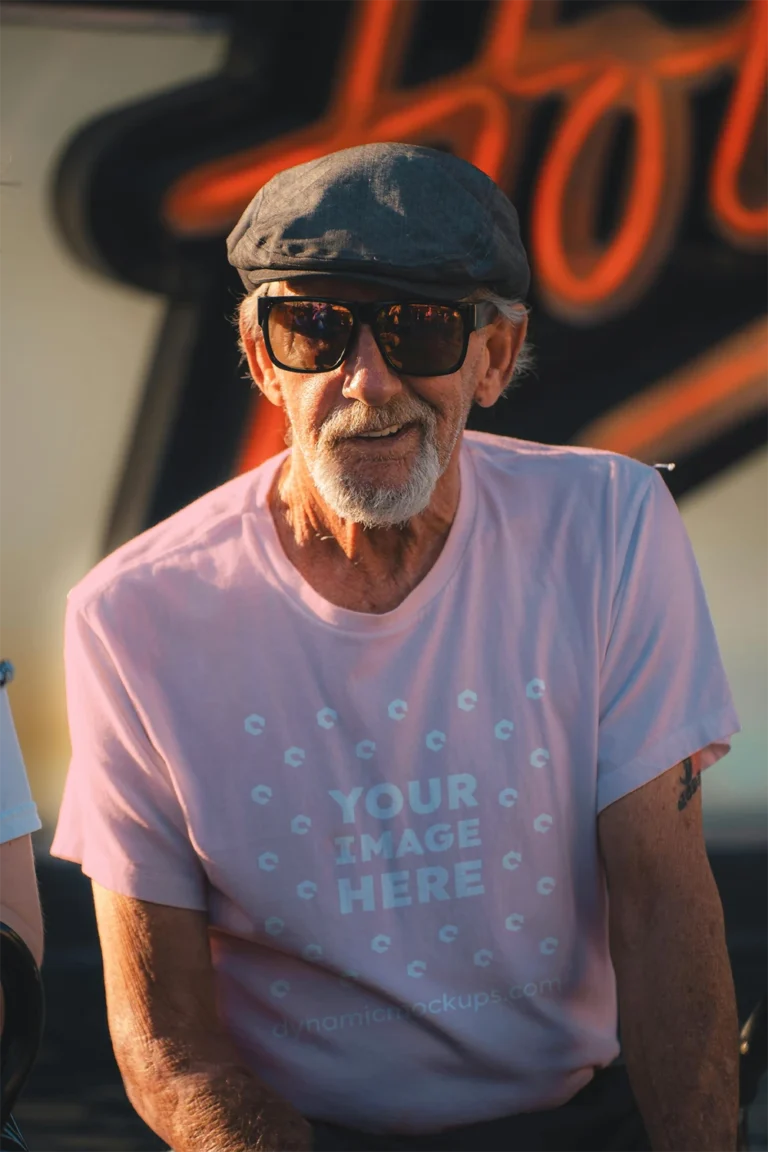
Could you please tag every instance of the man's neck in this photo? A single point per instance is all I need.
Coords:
(362, 569)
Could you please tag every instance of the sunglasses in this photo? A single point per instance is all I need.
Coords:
(304, 334)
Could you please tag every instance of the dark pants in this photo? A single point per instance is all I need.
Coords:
(603, 1117)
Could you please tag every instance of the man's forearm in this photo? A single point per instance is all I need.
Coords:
(222, 1108)
(679, 1025)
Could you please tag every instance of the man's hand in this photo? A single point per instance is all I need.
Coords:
(676, 1000)
(180, 1069)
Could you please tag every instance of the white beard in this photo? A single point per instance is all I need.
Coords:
(361, 502)
(371, 506)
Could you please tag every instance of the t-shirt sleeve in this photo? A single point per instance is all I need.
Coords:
(121, 818)
(663, 690)
(18, 811)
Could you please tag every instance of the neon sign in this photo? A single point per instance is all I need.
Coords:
(618, 61)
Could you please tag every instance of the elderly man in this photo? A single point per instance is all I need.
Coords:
(386, 755)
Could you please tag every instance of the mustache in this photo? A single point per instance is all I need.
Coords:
(354, 421)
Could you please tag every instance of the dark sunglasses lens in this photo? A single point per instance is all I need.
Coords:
(421, 339)
(309, 335)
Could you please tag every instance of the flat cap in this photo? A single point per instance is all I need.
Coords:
(414, 218)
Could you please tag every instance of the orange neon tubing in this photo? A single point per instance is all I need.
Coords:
(213, 194)
(413, 120)
(736, 131)
(209, 193)
(721, 46)
(506, 34)
(699, 394)
(631, 240)
(540, 84)
(366, 58)
(716, 382)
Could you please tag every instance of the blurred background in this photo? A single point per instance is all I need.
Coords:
(632, 138)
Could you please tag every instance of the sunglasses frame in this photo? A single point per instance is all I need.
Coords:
(474, 316)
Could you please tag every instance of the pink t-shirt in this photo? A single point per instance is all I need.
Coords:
(391, 819)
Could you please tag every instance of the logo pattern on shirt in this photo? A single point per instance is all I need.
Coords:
(382, 802)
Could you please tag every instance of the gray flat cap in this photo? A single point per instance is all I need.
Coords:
(412, 218)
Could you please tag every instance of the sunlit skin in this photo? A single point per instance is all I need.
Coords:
(374, 569)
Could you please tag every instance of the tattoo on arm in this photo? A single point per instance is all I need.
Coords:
(690, 783)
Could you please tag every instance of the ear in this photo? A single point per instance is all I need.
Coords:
(259, 364)
(502, 347)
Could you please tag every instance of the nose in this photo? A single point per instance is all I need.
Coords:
(368, 378)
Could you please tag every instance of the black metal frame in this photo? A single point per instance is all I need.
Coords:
(366, 312)
(24, 1018)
